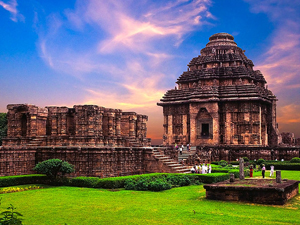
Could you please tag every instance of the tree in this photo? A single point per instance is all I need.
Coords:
(52, 168)
(3, 126)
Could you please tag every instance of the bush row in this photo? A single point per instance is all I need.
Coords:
(138, 182)
(22, 179)
(282, 165)
(153, 182)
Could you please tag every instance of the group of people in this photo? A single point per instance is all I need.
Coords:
(180, 148)
(263, 171)
(201, 169)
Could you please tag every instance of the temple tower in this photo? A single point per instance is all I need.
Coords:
(220, 100)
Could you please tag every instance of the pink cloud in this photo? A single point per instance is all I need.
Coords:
(11, 6)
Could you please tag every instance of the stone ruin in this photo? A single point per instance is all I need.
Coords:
(82, 125)
(99, 142)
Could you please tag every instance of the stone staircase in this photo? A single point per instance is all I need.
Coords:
(172, 164)
(186, 154)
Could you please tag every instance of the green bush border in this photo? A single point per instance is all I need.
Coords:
(22, 179)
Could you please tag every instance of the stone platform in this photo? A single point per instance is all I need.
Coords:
(263, 191)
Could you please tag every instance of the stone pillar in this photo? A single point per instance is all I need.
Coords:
(260, 133)
(278, 176)
(170, 129)
(228, 131)
(131, 127)
(64, 123)
(184, 125)
(118, 125)
(242, 175)
(231, 177)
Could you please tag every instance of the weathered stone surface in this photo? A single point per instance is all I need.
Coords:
(88, 161)
(278, 176)
(82, 125)
(241, 169)
(207, 154)
(220, 100)
(262, 191)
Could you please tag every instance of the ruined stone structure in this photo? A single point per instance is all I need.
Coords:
(288, 138)
(220, 101)
(82, 125)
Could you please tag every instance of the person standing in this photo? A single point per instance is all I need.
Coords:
(272, 171)
(203, 168)
(251, 171)
(263, 170)
(180, 150)
(188, 147)
(209, 168)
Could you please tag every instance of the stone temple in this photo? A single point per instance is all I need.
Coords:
(220, 100)
(82, 125)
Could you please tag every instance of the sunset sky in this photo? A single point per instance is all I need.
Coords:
(127, 53)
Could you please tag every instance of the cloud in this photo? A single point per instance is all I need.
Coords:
(127, 60)
(11, 6)
(280, 64)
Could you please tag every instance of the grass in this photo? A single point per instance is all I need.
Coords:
(184, 205)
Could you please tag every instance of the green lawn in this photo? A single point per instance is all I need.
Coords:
(185, 205)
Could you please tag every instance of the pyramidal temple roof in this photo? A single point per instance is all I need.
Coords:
(220, 72)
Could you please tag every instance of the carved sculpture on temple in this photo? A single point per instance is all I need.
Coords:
(238, 110)
(82, 125)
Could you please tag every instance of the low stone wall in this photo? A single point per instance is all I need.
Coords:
(231, 153)
(276, 194)
(88, 161)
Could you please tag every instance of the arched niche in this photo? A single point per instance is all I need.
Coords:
(204, 123)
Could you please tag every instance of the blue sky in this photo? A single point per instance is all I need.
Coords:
(126, 54)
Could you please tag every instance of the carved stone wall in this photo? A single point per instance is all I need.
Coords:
(82, 125)
(231, 153)
(220, 100)
(88, 161)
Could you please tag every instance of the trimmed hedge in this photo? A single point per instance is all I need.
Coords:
(153, 182)
(176, 180)
(22, 179)
(283, 165)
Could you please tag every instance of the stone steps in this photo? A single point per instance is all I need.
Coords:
(175, 166)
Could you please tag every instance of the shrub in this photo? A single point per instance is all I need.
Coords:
(260, 162)
(22, 179)
(142, 184)
(90, 182)
(208, 178)
(10, 216)
(130, 184)
(159, 185)
(223, 163)
(283, 166)
(295, 160)
(246, 159)
(52, 167)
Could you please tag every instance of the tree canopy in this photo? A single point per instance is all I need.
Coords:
(53, 167)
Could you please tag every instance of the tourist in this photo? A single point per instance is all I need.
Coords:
(198, 169)
(203, 168)
(193, 169)
(272, 171)
(251, 171)
(180, 150)
(263, 170)
(188, 147)
(209, 169)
